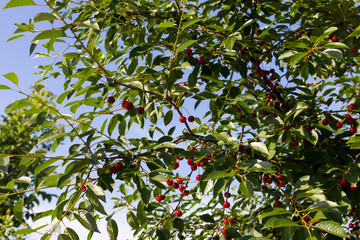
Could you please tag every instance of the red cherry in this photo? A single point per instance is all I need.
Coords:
(347, 117)
(258, 32)
(223, 231)
(354, 50)
(253, 114)
(353, 188)
(186, 192)
(351, 225)
(119, 166)
(200, 60)
(352, 121)
(110, 100)
(227, 194)
(352, 106)
(188, 51)
(334, 39)
(277, 198)
(193, 167)
(308, 128)
(352, 130)
(83, 188)
(176, 165)
(295, 143)
(226, 221)
(182, 119)
(175, 185)
(191, 119)
(279, 177)
(198, 177)
(141, 110)
(123, 103)
(342, 183)
(158, 198)
(238, 108)
(282, 183)
(170, 182)
(226, 204)
(233, 220)
(178, 213)
(339, 124)
(179, 180)
(190, 162)
(129, 105)
(325, 122)
(113, 170)
(278, 203)
(181, 188)
(216, 238)
(307, 219)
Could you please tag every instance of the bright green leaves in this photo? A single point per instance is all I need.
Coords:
(47, 34)
(18, 209)
(132, 220)
(4, 163)
(260, 147)
(165, 25)
(44, 16)
(185, 44)
(275, 222)
(333, 228)
(12, 77)
(327, 32)
(87, 220)
(112, 229)
(18, 3)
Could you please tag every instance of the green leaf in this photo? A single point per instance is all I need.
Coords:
(355, 33)
(112, 229)
(24, 231)
(178, 223)
(44, 16)
(335, 45)
(49, 34)
(23, 179)
(333, 53)
(145, 195)
(233, 233)
(273, 212)
(190, 22)
(275, 222)
(18, 3)
(51, 136)
(98, 191)
(4, 163)
(333, 228)
(185, 44)
(87, 220)
(4, 87)
(329, 31)
(165, 25)
(216, 174)
(247, 189)
(132, 220)
(18, 209)
(64, 237)
(260, 147)
(286, 55)
(207, 218)
(168, 117)
(12, 77)
(297, 58)
(70, 232)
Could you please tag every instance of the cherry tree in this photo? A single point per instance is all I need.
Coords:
(213, 119)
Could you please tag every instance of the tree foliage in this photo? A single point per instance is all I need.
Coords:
(263, 91)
